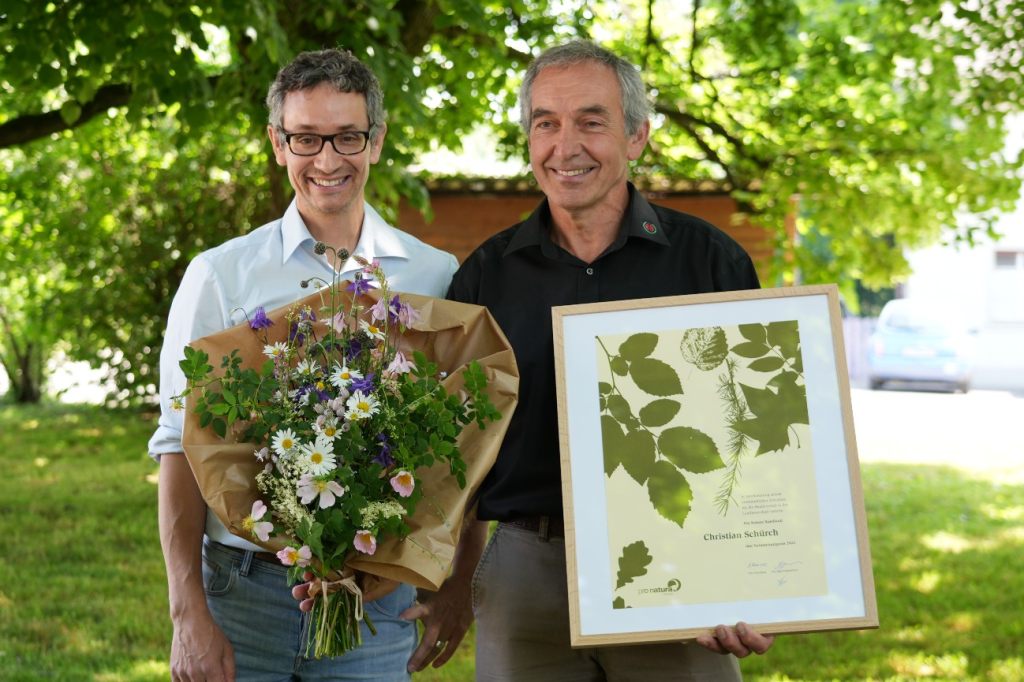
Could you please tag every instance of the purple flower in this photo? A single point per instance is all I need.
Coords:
(359, 286)
(365, 385)
(384, 457)
(353, 350)
(260, 320)
(294, 335)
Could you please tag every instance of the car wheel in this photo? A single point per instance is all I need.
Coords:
(875, 384)
(963, 386)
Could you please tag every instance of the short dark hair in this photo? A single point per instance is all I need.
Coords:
(635, 107)
(338, 67)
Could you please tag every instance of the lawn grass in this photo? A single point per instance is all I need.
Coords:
(82, 592)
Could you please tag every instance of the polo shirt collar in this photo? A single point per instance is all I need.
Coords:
(377, 239)
(639, 221)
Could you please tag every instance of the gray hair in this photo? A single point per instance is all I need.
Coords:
(635, 107)
(341, 69)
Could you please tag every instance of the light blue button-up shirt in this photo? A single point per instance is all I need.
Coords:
(264, 268)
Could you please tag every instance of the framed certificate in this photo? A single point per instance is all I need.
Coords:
(709, 467)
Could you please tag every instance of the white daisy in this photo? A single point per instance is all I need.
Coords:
(275, 351)
(361, 406)
(319, 456)
(307, 367)
(284, 441)
(372, 330)
(342, 376)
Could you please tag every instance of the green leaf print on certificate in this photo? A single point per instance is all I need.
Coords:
(705, 348)
(638, 346)
(612, 444)
(619, 603)
(658, 412)
(633, 563)
(655, 377)
(775, 412)
(670, 492)
(772, 347)
(638, 456)
(690, 449)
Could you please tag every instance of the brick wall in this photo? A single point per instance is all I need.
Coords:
(463, 219)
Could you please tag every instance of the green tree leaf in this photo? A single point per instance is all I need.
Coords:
(655, 377)
(670, 492)
(690, 449)
(638, 346)
(619, 366)
(658, 412)
(633, 563)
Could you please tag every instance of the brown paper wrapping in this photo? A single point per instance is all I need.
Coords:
(450, 334)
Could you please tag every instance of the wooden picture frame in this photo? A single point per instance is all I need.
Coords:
(709, 467)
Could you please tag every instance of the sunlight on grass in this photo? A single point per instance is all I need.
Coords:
(1002, 513)
(946, 542)
(41, 461)
(141, 671)
(963, 622)
(30, 425)
(914, 633)
(1007, 670)
(953, 665)
(926, 582)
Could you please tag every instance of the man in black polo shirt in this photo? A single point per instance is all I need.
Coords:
(594, 238)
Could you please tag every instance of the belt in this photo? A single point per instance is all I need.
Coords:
(262, 556)
(544, 526)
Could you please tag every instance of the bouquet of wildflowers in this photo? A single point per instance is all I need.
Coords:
(341, 418)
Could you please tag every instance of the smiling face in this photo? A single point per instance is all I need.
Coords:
(579, 149)
(329, 186)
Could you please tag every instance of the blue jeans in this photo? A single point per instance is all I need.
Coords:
(251, 601)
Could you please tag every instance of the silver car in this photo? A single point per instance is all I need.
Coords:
(920, 342)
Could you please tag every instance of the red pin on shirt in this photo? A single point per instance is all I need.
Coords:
(650, 228)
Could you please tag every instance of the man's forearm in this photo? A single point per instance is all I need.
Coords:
(182, 515)
(470, 547)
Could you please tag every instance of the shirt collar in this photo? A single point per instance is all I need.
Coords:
(294, 232)
(640, 220)
(377, 239)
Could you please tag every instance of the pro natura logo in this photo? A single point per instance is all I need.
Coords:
(672, 585)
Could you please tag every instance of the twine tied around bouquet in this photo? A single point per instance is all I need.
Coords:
(346, 584)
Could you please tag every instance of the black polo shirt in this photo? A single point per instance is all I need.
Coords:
(520, 273)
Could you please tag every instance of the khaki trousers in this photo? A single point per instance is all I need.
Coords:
(521, 604)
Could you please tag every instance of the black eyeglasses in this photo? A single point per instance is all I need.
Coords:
(309, 144)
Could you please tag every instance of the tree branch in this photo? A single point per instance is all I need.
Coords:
(689, 122)
(30, 127)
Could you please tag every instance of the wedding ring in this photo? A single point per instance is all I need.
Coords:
(440, 644)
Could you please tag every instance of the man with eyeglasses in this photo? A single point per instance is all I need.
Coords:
(231, 608)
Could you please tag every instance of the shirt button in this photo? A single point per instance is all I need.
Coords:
(590, 271)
